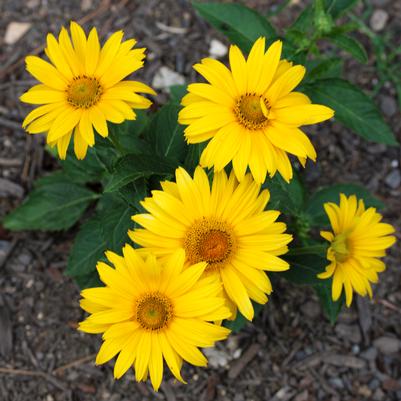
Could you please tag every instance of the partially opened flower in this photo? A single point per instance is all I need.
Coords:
(83, 87)
(358, 240)
(150, 311)
(251, 113)
(225, 225)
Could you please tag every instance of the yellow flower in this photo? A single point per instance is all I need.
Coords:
(83, 88)
(357, 242)
(149, 311)
(251, 113)
(225, 225)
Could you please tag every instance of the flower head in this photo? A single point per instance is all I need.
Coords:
(149, 311)
(225, 225)
(251, 113)
(358, 240)
(83, 87)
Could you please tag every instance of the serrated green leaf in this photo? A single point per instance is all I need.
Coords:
(315, 209)
(106, 230)
(353, 108)
(131, 167)
(166, 135)
(240, 24)
(350, 45)
(193, 156)
(330, 307)
(55, 204)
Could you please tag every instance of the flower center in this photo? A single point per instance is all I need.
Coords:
(210, 241)
(154, 311)
(83, 92)
(252, 111)
(340, 248)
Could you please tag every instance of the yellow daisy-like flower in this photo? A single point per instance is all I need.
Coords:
(357, 242)
(251, 113)
(225, 225)
(83, 88)
(150, 311)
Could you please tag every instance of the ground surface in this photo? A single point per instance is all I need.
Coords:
(291, 352)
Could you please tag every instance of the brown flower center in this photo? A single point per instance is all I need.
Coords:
(252, 111)
(211, 241)
(154, 311)
(84, 92)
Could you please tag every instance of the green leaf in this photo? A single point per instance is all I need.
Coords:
(193, 156)
(240, 24)
(328, 68)
(106, 230)
(55, 204)
(240, 321)
(177, 92)
(286, 197)
(353, 108)
(166, 135)
(304, 268)
(315, 209)
(339, 7)
(330, 307)
(304, 22)
(83, 171)
(350, 45)
(134, 192)
(131, 167)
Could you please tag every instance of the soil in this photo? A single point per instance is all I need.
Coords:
(291, 352)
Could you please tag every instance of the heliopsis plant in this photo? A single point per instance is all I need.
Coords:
(358, 240)
(151, 311)
(82, 87)
(208, 187)
(224, 224)
(251, 113)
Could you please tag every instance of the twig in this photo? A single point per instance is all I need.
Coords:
(72, 364)
(388, 305)
(34, 373)
(10, 162)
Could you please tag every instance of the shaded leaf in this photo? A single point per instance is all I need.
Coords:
(55, 204)
(330, 307)
(350, 45)
(240, 24)
(131, 167)
(240, 321)
(353, 108)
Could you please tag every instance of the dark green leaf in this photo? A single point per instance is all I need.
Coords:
(240, 24)
(286, 197)
(131, 167)
(315, 209)
(339, 7)
(106, 230)
(193, 156)
(134, 192)
(83, 171)
(177, 92)
(89, 280)
(54, 204)
(166, 135)
(304, 268)
(323, 21)
(350, 45)
(353, 108)
(330, 307)
(240, 321)
(328, 68)
(304, 22)
(89, 247)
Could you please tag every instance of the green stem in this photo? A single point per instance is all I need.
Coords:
(306, 250)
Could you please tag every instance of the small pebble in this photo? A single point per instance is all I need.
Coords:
(393, 179)
(378, 20)
(387, 345)
(388, 105)
(217, 49)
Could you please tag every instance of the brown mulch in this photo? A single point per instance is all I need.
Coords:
(291, 352)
